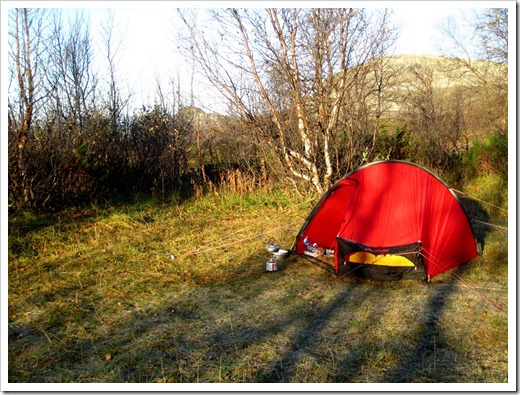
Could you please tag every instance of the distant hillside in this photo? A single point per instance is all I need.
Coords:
(447, 72)
(408, 78)
(200, 118)
(413, 75)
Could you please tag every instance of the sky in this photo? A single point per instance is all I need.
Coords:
(148, 36)
(419, 24)
(148, 52)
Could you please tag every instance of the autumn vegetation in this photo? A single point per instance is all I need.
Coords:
(136, 234)
(316, 93)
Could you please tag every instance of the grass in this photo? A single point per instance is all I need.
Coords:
(151, 292)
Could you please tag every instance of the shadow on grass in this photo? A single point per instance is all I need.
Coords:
(478, 216)
(428, 359)
(427, 356)
(249, 334)
(285, 369)
(295, 325)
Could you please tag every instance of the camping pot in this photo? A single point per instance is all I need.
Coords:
(281, 254)
(271, 247)
(271, 266)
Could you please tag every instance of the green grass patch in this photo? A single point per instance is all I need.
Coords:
(171, 293)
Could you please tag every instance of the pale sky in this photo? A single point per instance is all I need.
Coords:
(149, 42)
(420, 28)
(148, 49)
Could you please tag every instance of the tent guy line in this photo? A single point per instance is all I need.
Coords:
(478, 200)
(490, 224)
(266, 220)
(475, 291)
(321, 263)
(255, 236)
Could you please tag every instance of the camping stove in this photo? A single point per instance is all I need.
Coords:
(275, 254)
(271, 265)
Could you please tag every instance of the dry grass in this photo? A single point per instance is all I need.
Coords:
(179, 294)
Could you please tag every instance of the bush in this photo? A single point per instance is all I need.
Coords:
(393, 145)
(488, 157)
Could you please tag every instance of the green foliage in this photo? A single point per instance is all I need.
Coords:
(488, 156)
(485, 169)
(395, 146)
(190, 153)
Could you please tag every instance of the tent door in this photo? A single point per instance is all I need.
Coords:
(380, 263)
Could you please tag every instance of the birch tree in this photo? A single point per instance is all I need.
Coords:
(71, 76)
(26, 47)
(482, 50)
(294, 67)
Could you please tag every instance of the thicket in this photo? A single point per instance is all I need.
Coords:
(155, 153)
(73, 140)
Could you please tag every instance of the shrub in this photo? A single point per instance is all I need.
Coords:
(487, 157)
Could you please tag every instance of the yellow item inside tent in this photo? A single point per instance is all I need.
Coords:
(383, 260)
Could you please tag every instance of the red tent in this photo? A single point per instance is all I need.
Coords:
(389, 220)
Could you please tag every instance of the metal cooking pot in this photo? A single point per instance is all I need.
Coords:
(280, 254)
(271, 247)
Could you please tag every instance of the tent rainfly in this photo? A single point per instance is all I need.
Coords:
(389, 220)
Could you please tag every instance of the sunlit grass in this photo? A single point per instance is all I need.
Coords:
(169, 292)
